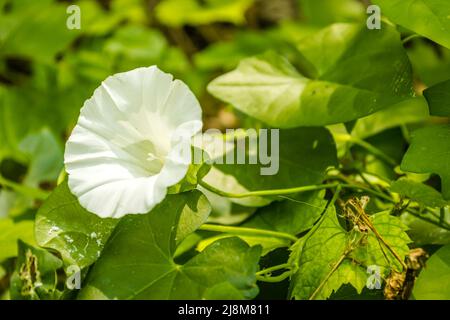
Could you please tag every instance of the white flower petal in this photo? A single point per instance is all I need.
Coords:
(131, 142)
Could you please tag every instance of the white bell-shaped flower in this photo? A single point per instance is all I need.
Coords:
(132, 141)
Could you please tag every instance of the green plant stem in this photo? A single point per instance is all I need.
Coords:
(365, 145)
(279, 278)
(247, 231)
(350, 185)
(421, 217)
(389, 199)
(274, 192)
(411, 37)
(25, 190)
(274, 268)
(368, 190)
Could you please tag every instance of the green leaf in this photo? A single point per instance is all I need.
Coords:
(433, 282)
(438, 97)
(265, 87)
(406, 112)
(429, 152)
(268, 244)
(226, 55)
(194, 214)
(425, 17)
(195, 173)
(374, 252)
(144, 245)
(316, 255)
(35, 277)
(21, 110)
(419, 192)
(430, 63)
(10, 232)
(295, 215)
(429, 231)
(176, 13)
(328, 256)
(225, 211)
(349, 272)
(63, 225)
(351, 67)
(329, 11)
(39, 20)
(306, 151)
(46, 157)
(96, 21)
(133, 46)
(13, 204)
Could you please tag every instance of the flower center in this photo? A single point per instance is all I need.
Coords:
(155, 163)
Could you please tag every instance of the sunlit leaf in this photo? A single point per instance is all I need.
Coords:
(144, 246)
(426, 17)
(351, 66)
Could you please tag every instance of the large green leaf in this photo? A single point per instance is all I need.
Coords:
(374, 252)
(144, 246)
(429, 152)
(35, 276)
(304, 156)
(63, 225)
(433, 282)
(425, 17)
(316, 255)
(419, 192)
(10, 232)
(329, 256)
(351, 65)
(438, 97)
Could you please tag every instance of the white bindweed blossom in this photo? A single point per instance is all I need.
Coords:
(132, 141)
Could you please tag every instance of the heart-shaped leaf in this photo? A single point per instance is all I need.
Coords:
(351, 66)
(144, 245)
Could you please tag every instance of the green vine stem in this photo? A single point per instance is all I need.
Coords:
(247, 231)
(274, 279)
(348, 184)
(363, 144)
(411, 37)
(273, 192)
(274, 268)
(356, 186)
